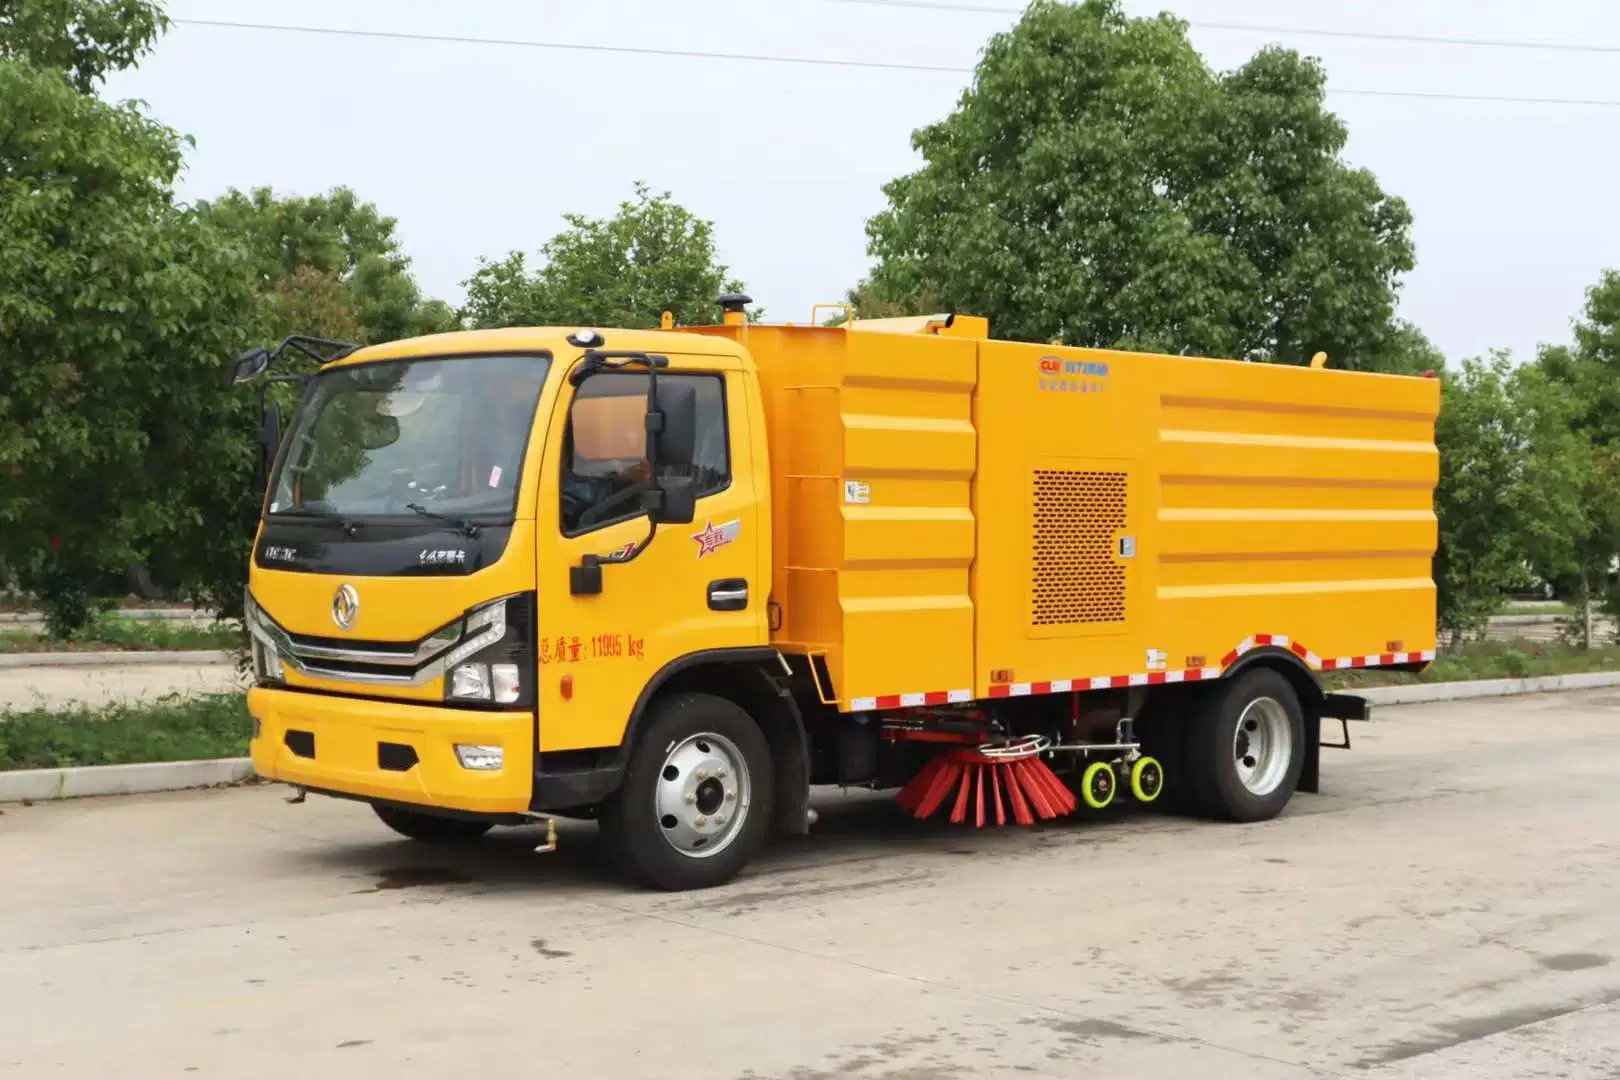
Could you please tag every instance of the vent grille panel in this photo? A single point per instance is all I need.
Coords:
(1077, 579)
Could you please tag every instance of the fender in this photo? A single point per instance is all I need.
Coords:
(1302, 675)
(576, 788)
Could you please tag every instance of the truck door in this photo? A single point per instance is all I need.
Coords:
(695, 587)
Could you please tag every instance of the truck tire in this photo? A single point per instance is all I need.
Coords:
(695, 805)
(431, 828)
(1245, 748)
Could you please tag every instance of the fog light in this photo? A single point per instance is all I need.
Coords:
(470, 681)
(507, 682)
(483, 758)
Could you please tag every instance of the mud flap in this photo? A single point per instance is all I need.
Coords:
(1310, 775)
(1341, 707)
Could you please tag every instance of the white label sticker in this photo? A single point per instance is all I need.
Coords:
(1127, 547)
(856, 491)
(495, 476)
(1157, 660)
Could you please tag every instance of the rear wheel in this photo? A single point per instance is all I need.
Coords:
(1246, 747)
(431, 828)
(695, 804)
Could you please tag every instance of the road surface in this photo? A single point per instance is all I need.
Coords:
(1448, 908)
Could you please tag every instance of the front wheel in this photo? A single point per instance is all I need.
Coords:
(695, 804)
(1246, 748)
(431, 828)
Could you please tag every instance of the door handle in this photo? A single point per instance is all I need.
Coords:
(728, 594)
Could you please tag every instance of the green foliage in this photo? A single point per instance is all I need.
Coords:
(116, 309)
(1098, 184)
(651, 256)
(108, 631)
(1511, 498)
(328, 265)
(169, 729)
(82, 39)
(1590, 371)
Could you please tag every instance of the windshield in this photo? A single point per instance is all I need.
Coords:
(441, 436)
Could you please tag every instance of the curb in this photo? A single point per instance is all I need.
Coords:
(175, 614)
(1421, 694)
(43, 784)
(190, 658)
(30, 785)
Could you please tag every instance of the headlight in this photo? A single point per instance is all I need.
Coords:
(494, 663)
(266, 661)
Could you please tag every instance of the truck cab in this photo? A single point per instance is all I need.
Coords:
(482, 553)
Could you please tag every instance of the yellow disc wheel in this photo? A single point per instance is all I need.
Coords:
(1097, 785)
(1147, 779)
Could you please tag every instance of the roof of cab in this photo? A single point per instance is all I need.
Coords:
(536, 338)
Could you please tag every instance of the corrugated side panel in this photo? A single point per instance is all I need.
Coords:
(1295, 502)
(872, 457)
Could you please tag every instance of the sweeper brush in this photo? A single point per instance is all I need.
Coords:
(1011, 779)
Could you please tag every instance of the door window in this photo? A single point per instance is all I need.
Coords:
(605, 448)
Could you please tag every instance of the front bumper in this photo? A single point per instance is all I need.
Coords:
(358, 747)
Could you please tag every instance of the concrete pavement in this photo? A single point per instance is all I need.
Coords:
(1445, 909)
(45, 687)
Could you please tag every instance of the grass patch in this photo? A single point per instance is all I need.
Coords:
(115, 633)
(166, 729)
(1536, 607)
(1488, 660)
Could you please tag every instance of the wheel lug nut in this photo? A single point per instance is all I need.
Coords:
(701, 820)
(719, 820)
(703, 774)
(691, 800)
(731, 796)
(720, 772)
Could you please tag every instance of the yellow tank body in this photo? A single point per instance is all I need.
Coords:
(958, 518)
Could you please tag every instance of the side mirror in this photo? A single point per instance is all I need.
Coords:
(250, 365)
(673, 501)
(672, 426)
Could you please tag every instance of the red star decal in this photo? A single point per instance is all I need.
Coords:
(714, 537)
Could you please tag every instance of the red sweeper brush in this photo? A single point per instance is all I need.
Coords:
(1013, 777)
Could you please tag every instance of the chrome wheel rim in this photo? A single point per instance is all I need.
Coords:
(1262, 746)
(703, 795)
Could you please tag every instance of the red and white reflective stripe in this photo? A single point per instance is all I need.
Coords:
(1147, 678)
(1338, 663)
(911, 701)
(1103, 682)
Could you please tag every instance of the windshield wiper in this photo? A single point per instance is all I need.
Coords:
(468, 527)
(324, 513)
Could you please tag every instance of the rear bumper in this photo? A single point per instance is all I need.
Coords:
(353, 739)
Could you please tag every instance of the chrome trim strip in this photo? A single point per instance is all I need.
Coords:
(436, 649)
(429, 648)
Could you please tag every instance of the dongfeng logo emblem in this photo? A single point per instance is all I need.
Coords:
(345, 606)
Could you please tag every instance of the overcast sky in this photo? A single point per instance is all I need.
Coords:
(479, 149)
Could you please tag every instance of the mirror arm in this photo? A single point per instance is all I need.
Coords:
(586, 578)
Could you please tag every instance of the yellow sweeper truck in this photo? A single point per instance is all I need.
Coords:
(670, 579)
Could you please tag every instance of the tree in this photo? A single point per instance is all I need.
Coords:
(83, 39)
(651, 256)
(1099, 184)
(1514, 476)
(331, 258)
(116, 312)
(1590, 371)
